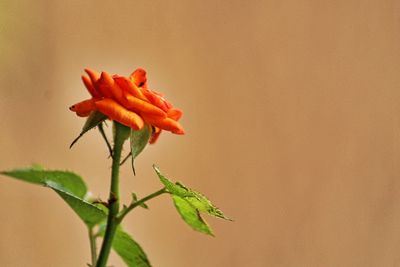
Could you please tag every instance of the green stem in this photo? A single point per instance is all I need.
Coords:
(93, 249)
(113, 200)
(124, 212)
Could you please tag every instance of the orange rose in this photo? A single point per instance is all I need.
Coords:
(129, 101)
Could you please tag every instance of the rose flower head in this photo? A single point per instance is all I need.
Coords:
(129, 101)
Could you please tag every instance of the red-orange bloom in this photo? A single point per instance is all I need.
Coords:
(129, 101)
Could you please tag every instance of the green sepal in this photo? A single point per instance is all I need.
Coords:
(94, 119)
(123, 131)
(139, 140)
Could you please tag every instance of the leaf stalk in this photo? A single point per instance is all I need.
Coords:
(135, 204)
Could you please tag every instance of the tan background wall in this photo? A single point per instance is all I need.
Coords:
(292, 118)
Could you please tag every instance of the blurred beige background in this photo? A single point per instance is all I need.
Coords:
(292, 116)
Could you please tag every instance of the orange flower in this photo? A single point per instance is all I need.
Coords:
(129, 101)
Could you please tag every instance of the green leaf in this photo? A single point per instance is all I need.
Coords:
(89, 213)
(196, 199)
(68, 181)
(127, 248)
(103, 206)
(68, 185)
(94, 119)
(139, 140)
(201, 203)
(175, 189)
(37, 167)
(191, 215)
(190, 203)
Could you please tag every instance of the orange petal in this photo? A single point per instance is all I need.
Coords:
(174, 114)
(138, 77)
(118, 113)
(83, 114)
(94, 76)
(130, 87)
(165, 124)
(169, 105)
(161, 97)
(142, 107)
(103, 84)
(83, 108)
(89, 86)
(155, 135)
(113, 88)
(155, 99)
